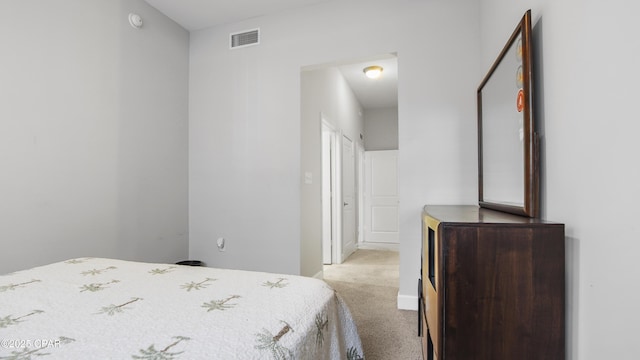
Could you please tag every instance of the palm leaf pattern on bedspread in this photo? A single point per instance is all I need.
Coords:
(116, 309)
(198, 285)
(151, 353)
(271, 343)
(134, 310)
(8, 320)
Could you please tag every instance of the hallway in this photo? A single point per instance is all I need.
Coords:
(368, 282)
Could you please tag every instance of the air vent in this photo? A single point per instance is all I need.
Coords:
(244, 38)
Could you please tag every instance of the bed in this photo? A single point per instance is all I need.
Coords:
(113, 309)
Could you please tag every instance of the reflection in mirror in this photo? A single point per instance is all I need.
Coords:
(507, 148)
(502, 133)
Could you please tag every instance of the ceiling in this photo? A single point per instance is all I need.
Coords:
(374, 93)
(200, 14)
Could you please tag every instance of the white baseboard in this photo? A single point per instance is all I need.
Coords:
(319, 275)
(406, 302)
(378, 246)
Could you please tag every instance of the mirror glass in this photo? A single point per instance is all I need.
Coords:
(508, 174)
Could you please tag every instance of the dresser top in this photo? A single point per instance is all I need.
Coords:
(474, 214)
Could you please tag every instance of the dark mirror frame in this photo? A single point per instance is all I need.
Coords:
(530, 204)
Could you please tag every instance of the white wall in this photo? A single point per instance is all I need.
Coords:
(381, 129)
(245, 172)
(587, 63)
(324, 91)
(93, 133)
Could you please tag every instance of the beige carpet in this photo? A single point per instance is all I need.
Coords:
(368, 282)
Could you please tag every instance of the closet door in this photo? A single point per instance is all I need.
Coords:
(381, 197)
(348, 198)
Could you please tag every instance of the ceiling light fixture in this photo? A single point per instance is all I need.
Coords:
(373, 72)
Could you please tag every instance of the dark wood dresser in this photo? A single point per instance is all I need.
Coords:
(492, 286)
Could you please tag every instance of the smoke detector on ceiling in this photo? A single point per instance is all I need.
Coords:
(244, 38)
(135, 20)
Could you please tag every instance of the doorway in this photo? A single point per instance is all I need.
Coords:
(334, 101)
(340, 193)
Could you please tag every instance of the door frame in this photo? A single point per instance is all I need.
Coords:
(331, 212)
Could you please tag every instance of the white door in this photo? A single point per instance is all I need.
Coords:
(381, 197)
(328, 186)
(360, 192)
(348, 198)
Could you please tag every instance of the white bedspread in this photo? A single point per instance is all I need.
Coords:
(96, 308)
